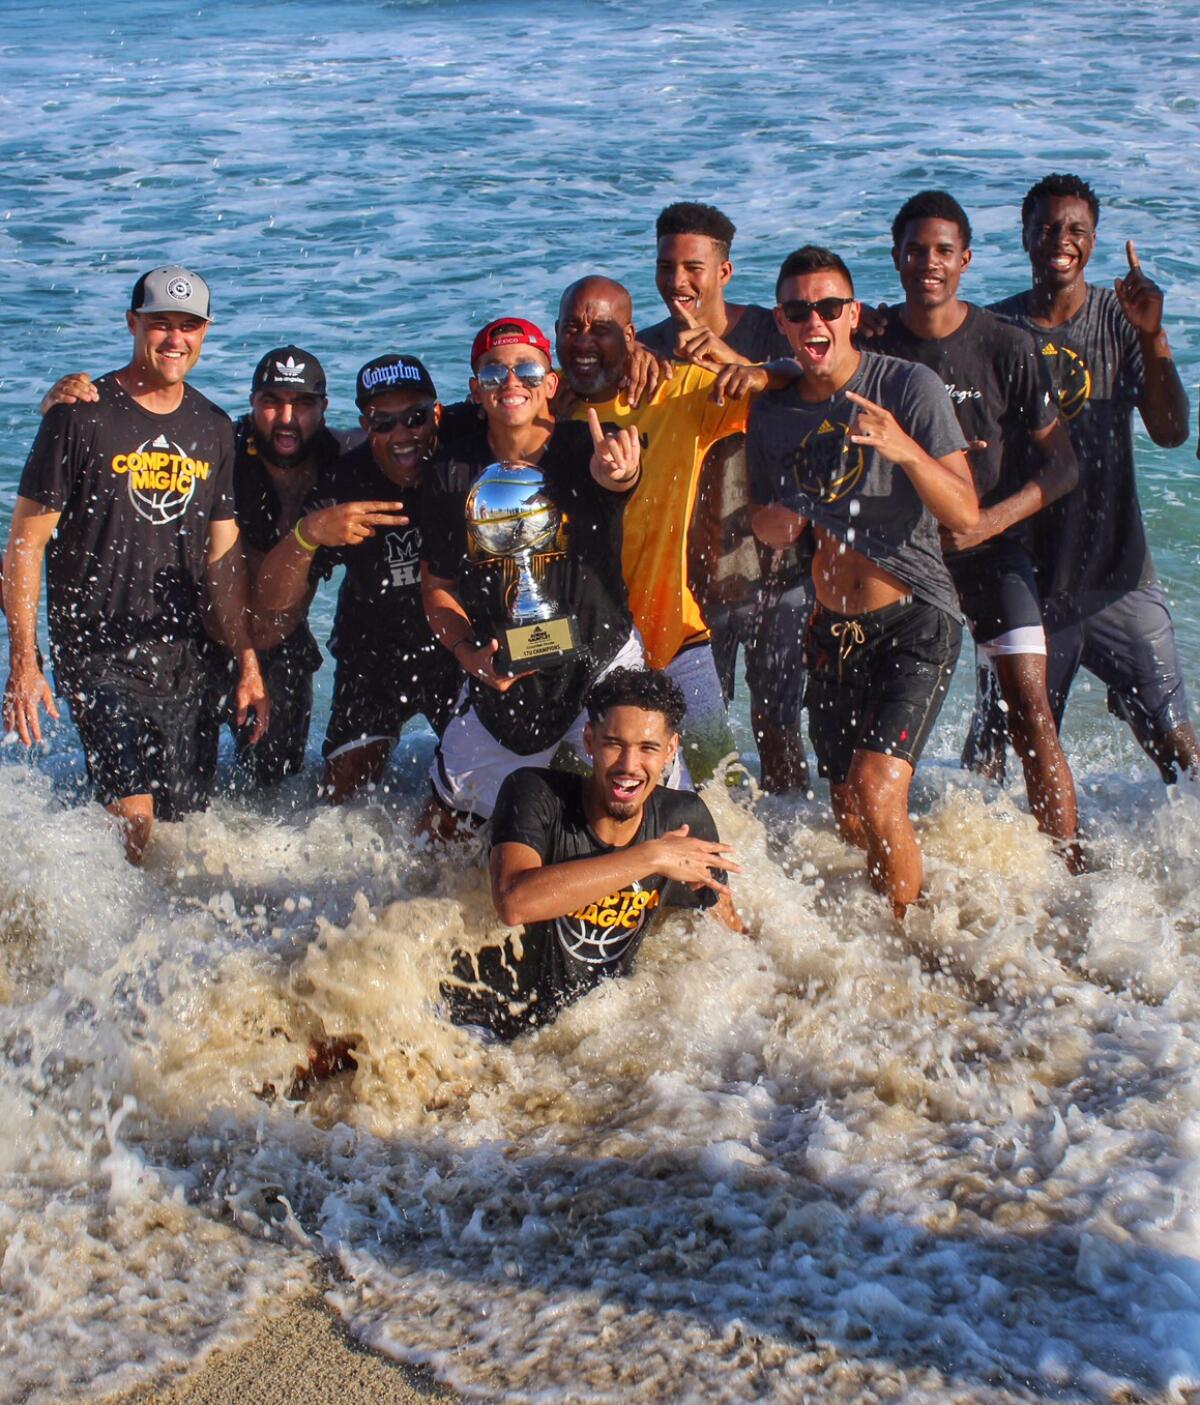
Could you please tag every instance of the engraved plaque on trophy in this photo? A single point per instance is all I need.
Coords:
(510, 518)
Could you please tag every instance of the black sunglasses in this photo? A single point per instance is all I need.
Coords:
(530, 373)
(799, 310)
(415, 418)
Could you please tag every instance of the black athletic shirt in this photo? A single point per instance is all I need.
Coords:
(1092, 539)
(256, 500)
(543, 809)
(379, 621)
(125, 567)
(582, 573)
(991, 372)
(800, 454)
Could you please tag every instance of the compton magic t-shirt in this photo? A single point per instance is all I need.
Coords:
(125, 568)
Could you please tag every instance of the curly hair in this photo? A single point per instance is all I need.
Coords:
(931, 205)
(690, 217)
(1061, 184)
(648, 688)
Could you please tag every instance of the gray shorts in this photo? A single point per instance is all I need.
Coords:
(772, 634)
(1127, 641)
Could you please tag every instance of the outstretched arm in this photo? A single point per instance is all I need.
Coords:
(524, 889)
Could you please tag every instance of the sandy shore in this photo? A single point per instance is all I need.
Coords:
(305, 1357)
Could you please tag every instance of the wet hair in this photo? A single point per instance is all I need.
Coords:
(689, 217)
(648, 688)
(1061, 184)
(812, 258)
(931, 205)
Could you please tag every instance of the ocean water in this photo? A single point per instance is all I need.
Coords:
(818, 1162)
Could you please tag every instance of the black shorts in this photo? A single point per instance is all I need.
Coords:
(997, 587)
(772, 633)
(287, 671)
(138, 743)
(876, 682)
(372, 702)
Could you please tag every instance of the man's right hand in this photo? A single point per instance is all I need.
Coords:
(676, 855)
(24, 694)
(68, 390)
(349, 523)
(642, 375)
(477, 661)
(872, 322)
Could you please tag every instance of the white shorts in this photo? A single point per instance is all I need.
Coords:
(1025, 639)
(470, 765)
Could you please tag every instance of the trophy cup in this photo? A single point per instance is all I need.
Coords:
(510, 516)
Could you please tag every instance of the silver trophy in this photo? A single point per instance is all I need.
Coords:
(510, 517)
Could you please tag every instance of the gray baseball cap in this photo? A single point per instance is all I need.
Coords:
(172, 289)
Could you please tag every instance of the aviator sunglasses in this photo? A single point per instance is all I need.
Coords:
(416, 418)
(798, 310)
(530, 373)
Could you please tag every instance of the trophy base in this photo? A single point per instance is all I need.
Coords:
(540, 644)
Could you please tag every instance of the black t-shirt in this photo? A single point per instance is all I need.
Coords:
(380, 621)
(543, 809)
(991, 372)
(1092, 539)
(581, 572)
(257, 503)
(800, 454)
(756, 337)
(125, 568)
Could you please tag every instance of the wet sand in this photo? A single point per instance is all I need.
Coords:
(305, 1357)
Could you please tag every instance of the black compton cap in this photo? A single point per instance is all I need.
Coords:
(392, 373)
(289, 368)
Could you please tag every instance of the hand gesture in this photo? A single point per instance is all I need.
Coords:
(25, 693)
(349, 523)
(686, 860)
(477, 661)
(617, 457)
(251, 696)
(642, 375)
(1141, 299)
(67, 390)
(699, 344)
(876, 428)
(735, 381)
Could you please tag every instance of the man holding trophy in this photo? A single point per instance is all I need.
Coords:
(521, 570)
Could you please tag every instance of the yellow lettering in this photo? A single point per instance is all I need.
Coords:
(120, 464)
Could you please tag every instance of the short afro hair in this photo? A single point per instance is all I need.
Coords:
(1061, 183)
(931, 205)
(689, 217)
(812, 258)
(648, 688)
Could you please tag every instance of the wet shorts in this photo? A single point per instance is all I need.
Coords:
(772, 633)
(997, 588)
(372, 700)
(138, 743)
(876, 682)
(1128, 642)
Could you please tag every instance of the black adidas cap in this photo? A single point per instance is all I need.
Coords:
(289, 368)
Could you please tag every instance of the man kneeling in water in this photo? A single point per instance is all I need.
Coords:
(583, 863)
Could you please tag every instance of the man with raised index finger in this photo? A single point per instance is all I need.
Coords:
(868, 450)
(1107, 354)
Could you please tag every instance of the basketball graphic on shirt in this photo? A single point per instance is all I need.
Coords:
(1070, 376)
(828, 466)
(161, 479)
(599, 933)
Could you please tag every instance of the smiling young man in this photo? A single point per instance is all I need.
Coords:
(129, 501)
(1022, 461)
(1107, 354)
(365, 515)
(505, 717)
(584, 864)
(867, 449)
(751, 598)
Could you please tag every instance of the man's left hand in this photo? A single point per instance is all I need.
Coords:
(642, 375)
(249, 696)
(617, 457)
(876, 428)
(1140, 297)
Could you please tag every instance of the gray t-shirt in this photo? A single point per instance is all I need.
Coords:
(1092, 539)
(756, 337)
(800, 455)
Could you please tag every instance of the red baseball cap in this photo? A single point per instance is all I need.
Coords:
(509, 331)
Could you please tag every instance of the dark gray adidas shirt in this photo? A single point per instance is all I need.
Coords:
(800, 455)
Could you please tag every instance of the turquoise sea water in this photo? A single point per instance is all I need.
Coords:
(806, 1165)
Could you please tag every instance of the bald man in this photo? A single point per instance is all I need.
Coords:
(677, 424)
